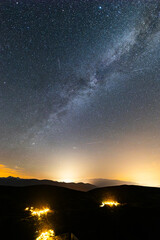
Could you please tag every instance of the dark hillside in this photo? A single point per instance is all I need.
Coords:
(79, 212)
(130, 195)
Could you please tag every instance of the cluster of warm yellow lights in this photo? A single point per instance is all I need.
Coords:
(110, 203)
(38, 212)
(48, 235)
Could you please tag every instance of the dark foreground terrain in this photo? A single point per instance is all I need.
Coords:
(138, 216)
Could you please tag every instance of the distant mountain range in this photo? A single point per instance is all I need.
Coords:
(19, 182)
(102, 182)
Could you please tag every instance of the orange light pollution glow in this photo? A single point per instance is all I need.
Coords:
(132, 158)
(6, 171)
(127, 158)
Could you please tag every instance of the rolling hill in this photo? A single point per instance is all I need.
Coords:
(79, 212)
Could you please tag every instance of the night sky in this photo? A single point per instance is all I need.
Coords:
(80, 89)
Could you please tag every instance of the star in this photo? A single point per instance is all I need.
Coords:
(74, 148)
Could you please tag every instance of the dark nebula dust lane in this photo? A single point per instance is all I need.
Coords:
(77, 72)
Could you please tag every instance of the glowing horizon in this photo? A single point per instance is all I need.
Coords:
(141, 179)
(128, 160)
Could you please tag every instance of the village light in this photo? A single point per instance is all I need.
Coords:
(47, 235)
(110, 204)
(38, 212)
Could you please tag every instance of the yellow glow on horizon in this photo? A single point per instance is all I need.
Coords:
(67, 180)
(138, 162)
(110, 203)
(147, 178)
(38, 212)
(141, 173)
(70, 165)
(128, 160)
(67, 177)
(46, 235)
(68, 173)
